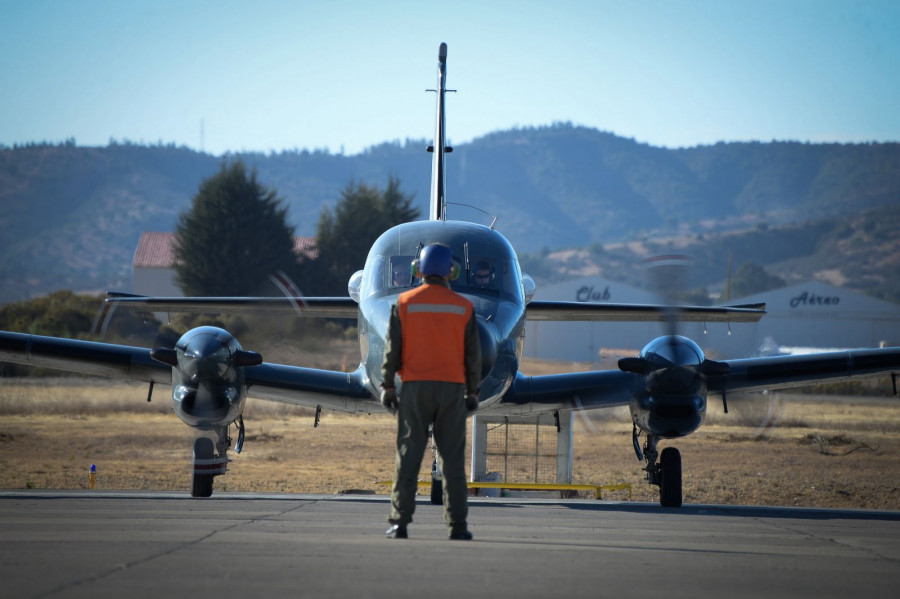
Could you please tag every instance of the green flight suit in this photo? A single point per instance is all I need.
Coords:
(423, 403)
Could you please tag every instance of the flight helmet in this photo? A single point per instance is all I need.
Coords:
(435, 260)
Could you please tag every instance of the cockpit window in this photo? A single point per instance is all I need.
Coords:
(401, 271)
(482, 273)
(488, 266)
(491, 277)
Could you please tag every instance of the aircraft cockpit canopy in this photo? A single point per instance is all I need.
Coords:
(486, 263)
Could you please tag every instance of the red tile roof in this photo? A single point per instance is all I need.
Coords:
(154, 250)
(306, 246)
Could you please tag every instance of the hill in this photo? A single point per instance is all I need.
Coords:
(859, 252)
(70, 216)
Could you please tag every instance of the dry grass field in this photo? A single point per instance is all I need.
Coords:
(822, 452)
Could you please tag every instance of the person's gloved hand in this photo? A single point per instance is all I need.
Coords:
(472, 402)
(389, 399)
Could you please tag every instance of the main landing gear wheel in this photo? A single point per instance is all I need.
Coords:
(670, 478)
(202, 484)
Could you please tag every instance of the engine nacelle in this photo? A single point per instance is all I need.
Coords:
(208, 389)
(672, 401)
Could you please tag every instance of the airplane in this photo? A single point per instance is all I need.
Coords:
(666, 387)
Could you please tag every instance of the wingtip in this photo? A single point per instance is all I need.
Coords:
(120, 295)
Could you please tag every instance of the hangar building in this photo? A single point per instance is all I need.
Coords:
(817, 315)
(808, 315)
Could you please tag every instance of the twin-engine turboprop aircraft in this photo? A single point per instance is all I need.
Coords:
(666, 387)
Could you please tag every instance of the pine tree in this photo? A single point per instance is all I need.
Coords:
(234, 235)
(345, 234)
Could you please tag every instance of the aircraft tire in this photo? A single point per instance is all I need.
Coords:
(202, 484)
(670, 479)
(437, 491)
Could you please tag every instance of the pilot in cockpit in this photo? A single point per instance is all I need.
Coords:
(401, 273)
(482, 274)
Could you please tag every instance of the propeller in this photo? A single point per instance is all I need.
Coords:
(673, 364)
(667, 276)
(670, 364)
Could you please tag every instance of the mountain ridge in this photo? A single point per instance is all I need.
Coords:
(70, 216)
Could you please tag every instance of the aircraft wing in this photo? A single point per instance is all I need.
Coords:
(610, 388)
(328, 307)
(289, 384)
(782, 372)
(84, 357)
(341, 391)
(531, 395)
(584, 311)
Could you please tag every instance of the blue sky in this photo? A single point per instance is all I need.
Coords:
(345, 75)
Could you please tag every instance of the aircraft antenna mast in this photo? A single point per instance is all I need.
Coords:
(437, 208)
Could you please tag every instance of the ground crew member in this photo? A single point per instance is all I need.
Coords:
(433, 344)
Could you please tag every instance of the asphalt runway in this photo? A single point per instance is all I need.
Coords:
(136, 544)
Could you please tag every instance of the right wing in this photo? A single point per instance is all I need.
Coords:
(327, 307)
(296, 385)
(312, 387)
(84, 357)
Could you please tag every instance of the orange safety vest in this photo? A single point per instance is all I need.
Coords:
(433, 324)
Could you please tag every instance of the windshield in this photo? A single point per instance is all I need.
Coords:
(487, 263)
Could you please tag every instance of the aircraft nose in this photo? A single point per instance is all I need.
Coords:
(488, 336)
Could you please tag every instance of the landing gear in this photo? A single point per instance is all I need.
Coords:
(437, 484)
(210, 461)
(437, 477)
(666, 473)
(202, 481)
(670, 478)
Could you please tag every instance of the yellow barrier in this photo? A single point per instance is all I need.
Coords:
(537, 486)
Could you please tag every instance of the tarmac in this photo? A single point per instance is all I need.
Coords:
(142, 544)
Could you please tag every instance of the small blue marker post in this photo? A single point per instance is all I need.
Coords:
(93, 475)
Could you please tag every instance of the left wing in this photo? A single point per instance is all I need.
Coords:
(589, 311)
(531, 395)
(609, 388)
(782, 372)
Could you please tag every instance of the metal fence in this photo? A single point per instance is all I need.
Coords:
(522, 453)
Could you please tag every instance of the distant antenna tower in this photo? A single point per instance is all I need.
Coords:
(202, 135)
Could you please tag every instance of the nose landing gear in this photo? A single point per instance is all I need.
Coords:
(437, 478)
